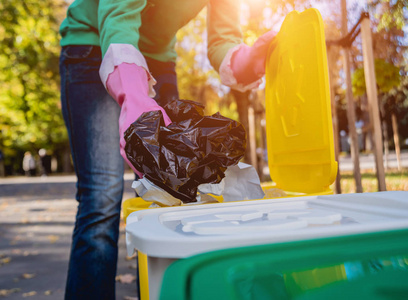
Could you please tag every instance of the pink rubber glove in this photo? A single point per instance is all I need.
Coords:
(128, 85)
(248, 63)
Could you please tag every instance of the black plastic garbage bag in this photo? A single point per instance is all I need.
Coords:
(192, 150)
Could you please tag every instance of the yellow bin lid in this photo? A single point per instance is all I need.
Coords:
(298, 112)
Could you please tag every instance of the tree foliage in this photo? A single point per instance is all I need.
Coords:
(193, 68)
(197, 80)
(29, 91)
(390, 13)
(30, 116)
(387, 77)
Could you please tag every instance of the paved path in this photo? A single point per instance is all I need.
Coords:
(36, 220)
(367, 161)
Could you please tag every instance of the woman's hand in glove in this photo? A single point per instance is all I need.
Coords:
(244, 66)
(248, 63)
(129, 86)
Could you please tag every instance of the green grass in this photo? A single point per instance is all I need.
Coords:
(395, 181)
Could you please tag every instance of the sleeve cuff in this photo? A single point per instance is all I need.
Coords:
(124, 53)
(227, 75)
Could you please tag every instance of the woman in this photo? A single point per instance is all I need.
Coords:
(117, 62)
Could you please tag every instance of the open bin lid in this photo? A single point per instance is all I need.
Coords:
(298, 113)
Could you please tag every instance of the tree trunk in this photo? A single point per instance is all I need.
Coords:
(260, 121)
(372, 96)
(251, 137)
(396, 139)
(335, 121)
(66, 161)
(386, 144)
(242, 100)
(351, 114)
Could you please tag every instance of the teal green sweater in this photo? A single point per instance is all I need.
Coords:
(151, 25)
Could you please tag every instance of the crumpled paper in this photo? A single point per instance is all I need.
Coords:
(148, 191)
(241, 182)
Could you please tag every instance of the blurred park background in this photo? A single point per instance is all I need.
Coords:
(30, 114)
(37, 213)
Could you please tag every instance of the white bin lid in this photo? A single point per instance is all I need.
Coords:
(176, 232)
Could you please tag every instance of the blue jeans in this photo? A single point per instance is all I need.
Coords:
(91, 117)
